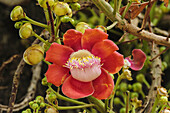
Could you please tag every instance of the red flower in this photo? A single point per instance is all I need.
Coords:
(88, 57)
(138, 60)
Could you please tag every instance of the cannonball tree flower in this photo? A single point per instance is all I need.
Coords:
(138, 60)
(82, 64)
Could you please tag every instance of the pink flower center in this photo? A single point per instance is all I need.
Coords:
(84, 66)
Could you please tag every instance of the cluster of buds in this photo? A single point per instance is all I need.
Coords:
(37, 103)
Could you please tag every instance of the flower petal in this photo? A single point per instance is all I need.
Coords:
(76, 89)
(56, 74)
(104, 48)
(113, 63)
(72, 38)
(92, 36)
(103, 86)
(138, 60)
(58, 54)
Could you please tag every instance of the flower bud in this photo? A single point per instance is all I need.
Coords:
(102, 28)
(65, 19)
(61, 9)
(137, 87)
(136, 103)
(51, 110)
(43, 4)
(42, 105)
(34, 106)
(39, 99)
(51, 97)
(162, 91)
(17, 13)
(163, 99)
(140, 78)
(75, 6)
(33, 55)
(122, 110)
(134, 94)
(117, 101)
(127, 75)
(123, 87)
(25, 31)
(44, 81)
(82, 26)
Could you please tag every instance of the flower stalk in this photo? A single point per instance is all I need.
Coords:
(36, 23)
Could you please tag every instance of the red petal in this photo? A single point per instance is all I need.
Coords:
(104, 48)
(103, 86)
(56, 74)
(58, 54)
(92, 36)
(138, 60)
(76, 89)
(72, 38)
(113, 63)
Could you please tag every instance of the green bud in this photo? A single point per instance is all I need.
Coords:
(162, 48)
(34, 106)
(122, 110)
(117, 101)
(82, 26)
(140, 78)
(65, 19)
(51, 110)
(164, 66)
(72, 21)
(42, 105)
(25, 31)
(137, 87)
(17, 13)
(44, 81)
(75, 6)
(164, 99)
(33, 55)
(43, 4)
(123, 87)
(24, 111)
(61, 9)
(51, 97)
(134, 94)
(129, 86)
(39, 99)
(31, 103)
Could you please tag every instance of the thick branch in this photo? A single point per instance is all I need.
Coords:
(125, 26)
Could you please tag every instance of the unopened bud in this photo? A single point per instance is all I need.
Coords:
(102, 28)
(43, 3)
(51, 110)
(33, 55)
(82, 26)
(25, 31)
(17, 13)
(75, 6)
(61, 9)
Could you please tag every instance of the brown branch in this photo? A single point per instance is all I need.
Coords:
(7, 62)
(15, 84)
(159, 54)
(52, 38)
(30, 92)
(130, 28)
